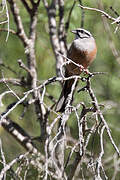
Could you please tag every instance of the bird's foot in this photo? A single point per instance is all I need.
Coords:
(86, 71)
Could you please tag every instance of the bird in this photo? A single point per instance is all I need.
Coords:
(82, 51)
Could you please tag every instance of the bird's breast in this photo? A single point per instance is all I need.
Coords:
(82, 53)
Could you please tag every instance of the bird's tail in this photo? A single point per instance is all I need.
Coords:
(63, 100)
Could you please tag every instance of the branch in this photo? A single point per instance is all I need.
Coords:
(74, 165)
(12, 81)
(26, 6)
(18, 21)
(19, 134)
(10, 88)
(9, 165)
(111, 43)
(99, 160)
(98, 10)
(7, 67)
(114, 11)
(31, 57)
(61, 29)
(51, 12)
(97, 108)
(33, 22)
(22, 65)
(3, 159)
(10, 31)
(69, 17)
(82, 15)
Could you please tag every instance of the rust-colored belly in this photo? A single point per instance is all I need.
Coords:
(80, 57)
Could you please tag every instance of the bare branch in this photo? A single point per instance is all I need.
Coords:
(69, 17)
(99, 160)
(51, 12)
(12, 81)
(8, 166)
(82, 15)
(61, 29)
(10, 31)
(97, 108)
(115, 12)
(111, 43)
(19, 134)
(98, 10)
(3, 158)
(18, 21)
(26, 6)
(22, 65)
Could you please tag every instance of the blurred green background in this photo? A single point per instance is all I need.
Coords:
(106, 87)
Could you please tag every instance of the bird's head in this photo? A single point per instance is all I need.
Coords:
(81, 33)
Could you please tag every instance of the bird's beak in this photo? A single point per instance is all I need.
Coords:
(74, 31)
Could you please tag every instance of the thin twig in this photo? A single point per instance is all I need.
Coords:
(98, 10)
(6, 30)
(69, 17)
(115, 12)
(8, 166)
(22, 65)
(82, 15)
(3, 159)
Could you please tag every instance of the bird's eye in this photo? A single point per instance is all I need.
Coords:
(81, 31)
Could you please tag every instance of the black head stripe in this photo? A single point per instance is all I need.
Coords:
(82, 33)
(88, 34)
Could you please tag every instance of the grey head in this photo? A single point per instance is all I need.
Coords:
(81, 33)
